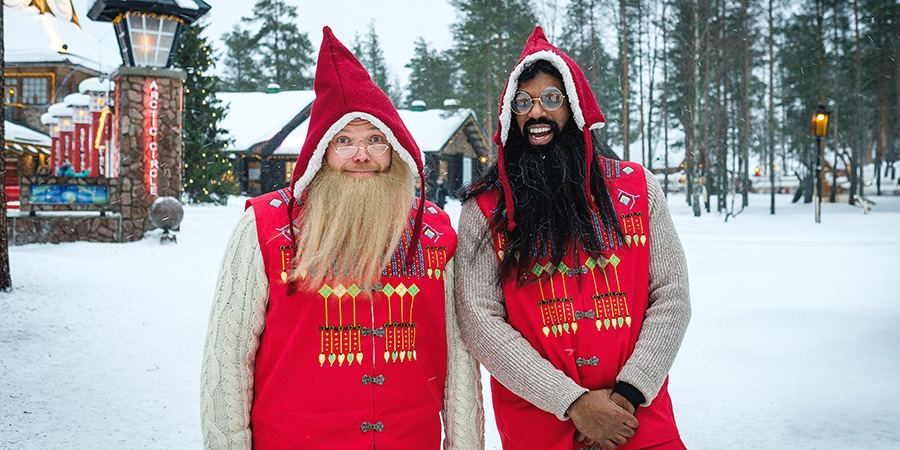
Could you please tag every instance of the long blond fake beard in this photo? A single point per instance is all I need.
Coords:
(350, 227)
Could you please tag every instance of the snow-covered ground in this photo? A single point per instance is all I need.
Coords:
(793, 341)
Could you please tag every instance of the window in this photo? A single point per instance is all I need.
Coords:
(254, 173)
(34, 90)
(10, 90)
(289, 170)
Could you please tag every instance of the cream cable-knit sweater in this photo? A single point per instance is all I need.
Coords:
(237, 320)
(512, 360)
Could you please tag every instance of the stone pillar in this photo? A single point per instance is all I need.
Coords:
(149, 105)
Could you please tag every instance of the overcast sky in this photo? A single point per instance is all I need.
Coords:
(399, 23)
(398, 26)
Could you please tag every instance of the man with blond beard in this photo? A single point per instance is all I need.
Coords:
(332, 325)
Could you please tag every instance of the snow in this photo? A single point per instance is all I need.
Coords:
(13, 132)
(792, 344)
(434, 127)
(254, 117)
(98, 85)
(60, 110)
(76, 99)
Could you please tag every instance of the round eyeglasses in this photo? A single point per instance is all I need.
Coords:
(551, 99)
(349, 151)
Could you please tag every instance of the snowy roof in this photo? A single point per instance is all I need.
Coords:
(19, 133)
(75, 99)
(434, 127)
(60, 110)
(32, 37)
(255, 117)
(97, 84)
(20, 138)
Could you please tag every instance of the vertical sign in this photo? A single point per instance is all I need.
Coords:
(151, 131)
(82, 120)
(54, 147)
(112, 151)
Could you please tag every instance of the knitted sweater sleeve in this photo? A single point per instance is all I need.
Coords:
(669, 305)
(503, 351)
(463, 413)
(235, 324)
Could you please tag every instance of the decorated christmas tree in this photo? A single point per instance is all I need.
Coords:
(208, 174)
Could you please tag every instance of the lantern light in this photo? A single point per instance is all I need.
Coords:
(819, 122)
(148, 30)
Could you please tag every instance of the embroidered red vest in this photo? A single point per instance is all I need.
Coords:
(351, 367)
(584, 316)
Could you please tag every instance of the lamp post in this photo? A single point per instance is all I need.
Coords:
(818, 129)
(147, 134)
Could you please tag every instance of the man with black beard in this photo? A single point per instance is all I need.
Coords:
(573, 286)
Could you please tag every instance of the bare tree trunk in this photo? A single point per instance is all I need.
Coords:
(695, 195)
(666, 99)
(722, 115)
(625, 153)
(819, 149)
(653, 59)
(896, 19)
(882, 134)
(771, 128)
(745, 142)
(856, 181)
(593, 47)
(707, 115)
(835, 116)
(641, 55)
(5, 281)
(489, 116)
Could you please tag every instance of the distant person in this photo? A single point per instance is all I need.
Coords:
(43, 170)
(571, 282)
(333, 324)
(440, 193)
(66, 170)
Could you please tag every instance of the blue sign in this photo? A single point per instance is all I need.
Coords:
(68, 195)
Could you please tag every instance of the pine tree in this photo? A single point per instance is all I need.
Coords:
(208, 174)
(433, 76)
(368, 51)
(286, 52)
(242, 72)
(581, 40)
(489, 40)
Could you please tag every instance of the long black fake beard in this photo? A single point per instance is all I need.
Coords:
(548, 189)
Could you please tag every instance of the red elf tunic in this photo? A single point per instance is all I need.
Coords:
(584, 316)
(356, 367)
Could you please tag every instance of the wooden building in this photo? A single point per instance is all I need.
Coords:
(48, 52)
(269, 129)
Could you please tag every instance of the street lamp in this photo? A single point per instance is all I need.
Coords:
(818, 128)
(148, 30)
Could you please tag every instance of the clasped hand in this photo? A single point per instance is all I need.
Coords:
(603, 418)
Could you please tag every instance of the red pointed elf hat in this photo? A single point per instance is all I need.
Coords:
(585, 110)
(344, 91)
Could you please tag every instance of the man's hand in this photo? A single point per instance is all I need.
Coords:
(623, 402)
(600, 421)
